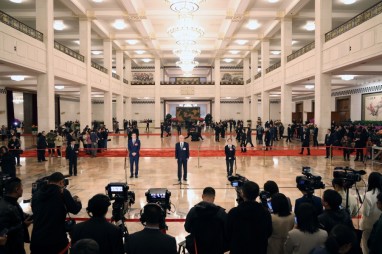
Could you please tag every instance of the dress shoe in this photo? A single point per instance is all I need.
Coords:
(131, 176)
(136, 176)
(326, 157)
(184, 179)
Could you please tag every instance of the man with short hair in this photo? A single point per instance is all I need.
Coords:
(206, 224)
(151, 239)
(134, 146)
(72, 151)
(13, 219)
(182, 153)
(107, 235)
(249, 225)
(50, 204)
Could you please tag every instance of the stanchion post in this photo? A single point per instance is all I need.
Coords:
(199, 156)
(331, 154)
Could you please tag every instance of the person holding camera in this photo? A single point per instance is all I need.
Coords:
(249, 225)
(13, 220)
(107, 235)
(151, 239)
(50, 204)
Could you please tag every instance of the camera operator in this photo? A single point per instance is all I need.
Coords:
(338, 185)
(151, 239)
(8, 163)
(309, 197)
(50, 204)
(206, 224)
(85, 246)
(107, 235)
(12, 218)
(249, 225)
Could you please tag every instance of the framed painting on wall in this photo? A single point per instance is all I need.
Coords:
(372, 107)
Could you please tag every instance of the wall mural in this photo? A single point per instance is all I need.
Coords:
(232, 76)
(143, 76)
(372, 107)
(187, 113)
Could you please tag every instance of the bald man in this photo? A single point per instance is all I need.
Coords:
(182, 153)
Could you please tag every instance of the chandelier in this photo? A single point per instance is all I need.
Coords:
(186, 31)
(186, 54)
(186, 66)
(184, 6)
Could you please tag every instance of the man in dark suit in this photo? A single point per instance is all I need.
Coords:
(305, 140)
(151, 239)
(290, 133)
(182, 153)
(134, 146)
(41, 146)
(249, 136)
(329, 140)
(315, 135)
(229, 156)
(72, 156)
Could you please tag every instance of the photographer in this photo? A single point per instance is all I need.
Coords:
(50, 204)
(249, 225)
(12, 218)
(309, 198)
(338, 185)
(107, 235)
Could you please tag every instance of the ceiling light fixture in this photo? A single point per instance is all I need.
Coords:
(184, 6)
(17, 77)
(187, 66)
(347, 77)
(77, 42)
(132, 42)
(228, 60)
(253, 24)
(309, 86)
(349, 1)
(59, 87)
(275, 52)
(16, 1)
(119, 24)
(234, 52)
(59, 25)
(294, 42)
(186, 30)
(241, 42)
(140, 52)
(146, 60)
(96, 52)
(310, 26)
(186, 54)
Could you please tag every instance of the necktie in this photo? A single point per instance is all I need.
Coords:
(181, 145)
(72, 147)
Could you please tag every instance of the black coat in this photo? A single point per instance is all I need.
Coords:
(150, 241)
(330, 218)
(306, 140)
(72, 153)
(248, 227)
(107, 235)
(50, 207)
(8, 164)
(329, 139)
(41, 142)
(230, 153)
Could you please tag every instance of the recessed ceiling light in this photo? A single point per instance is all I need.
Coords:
(273, 1)
(347, 77)
(241, 42)
(259, 69)
(59, 25)
(253, 25)
(294, 42)
(275, 52)
(132, 42)
(59, 87)
(17, 77)
(228, 60)
(16, 1)
(310, 26)
(309, 86)
(349, 1)
(114, 71)
(146, 60)
(98, 1)
(119, 24)
(140, 52)
(77, 42)
(96, 52)
(234, 52)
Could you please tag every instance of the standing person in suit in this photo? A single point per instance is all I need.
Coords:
(249, 136)
(41, 146)
(267, 139)
(161, 130)
(315, 135)
(147, 125)
(72, 156)
(290, 133)
(305, 140)
(14, 145)
(134, 146)
(182, 153)
(329, 140)
(230, 157)
(178, 128)
(217, 132)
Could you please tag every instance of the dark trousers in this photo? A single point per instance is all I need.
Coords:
(179, 132)
(58, 148)
(250, 142)
(328, 152)
(40, 154)
(307, 148)
(315, 141)
(182, 162)
(51, 149)
(16, 154)
(288, 138)
(229, 164)
(217, 137)
(359, 153)
(73, 166)
(134, 160)
(346, 153)
(260, 139)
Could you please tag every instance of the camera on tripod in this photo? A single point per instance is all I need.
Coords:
(237, 180)
(39, 183)
(160, 196)
(348, 175)
(308, 182)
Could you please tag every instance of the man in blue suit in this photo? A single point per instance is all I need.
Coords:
(182, 153)
(134, 145)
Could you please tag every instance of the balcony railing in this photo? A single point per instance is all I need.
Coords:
(125, 81)
(248, 81)
(273, 67)
(301, 51)
(181, 83)
(356, 21)
(116, 76)
(147, 83)
(257, 76)
(14, 23)
(231, 83)
(68, 51)
(99, 67)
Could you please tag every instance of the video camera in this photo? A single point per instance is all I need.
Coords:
(348, 175)
(3, 179)
(39, 183)
(160, 196)
(308, 182)
(237, 180)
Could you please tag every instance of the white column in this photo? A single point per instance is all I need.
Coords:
(264, 106)
(128, 76)
(264, 93)
(119, 109)
(119, 63)
(108, 109)
(119, 100)
(246, 76)
(322, 112)
(246, 72)
(286, 90)
(245, 109)
(45, 82)
(86, 90)
(254, 108)
(264, 56)
(128, 106)
(216, 116)
(254, 64)
(108, 95)
(3, 106)
(157, 115)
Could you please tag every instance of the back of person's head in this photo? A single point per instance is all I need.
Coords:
(56, 177)
(307, 220)
(280, 205)
(12, 185)
(374, 182)
(250, 191)
(98, 205)
(338, 182)
(209, 191)
(152, 214)
(340, 240)
(332, 198)
(271, 187)
(85, 246)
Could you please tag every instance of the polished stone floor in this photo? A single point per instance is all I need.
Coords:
(156, 172)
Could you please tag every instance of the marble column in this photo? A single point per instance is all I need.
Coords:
(323, 87)
(45, 82)
(254, 97)
(3, 106)
(119, 101)
(264, 93)
(86, 89)
(264, 56)
(128, 76)
(108, 95)
(216, 116)
(254, 108)
(264, 106)
(246, 76)
(158, 105)
(108, 109)
(119, 109)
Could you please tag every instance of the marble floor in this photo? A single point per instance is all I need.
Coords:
(156, 172)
